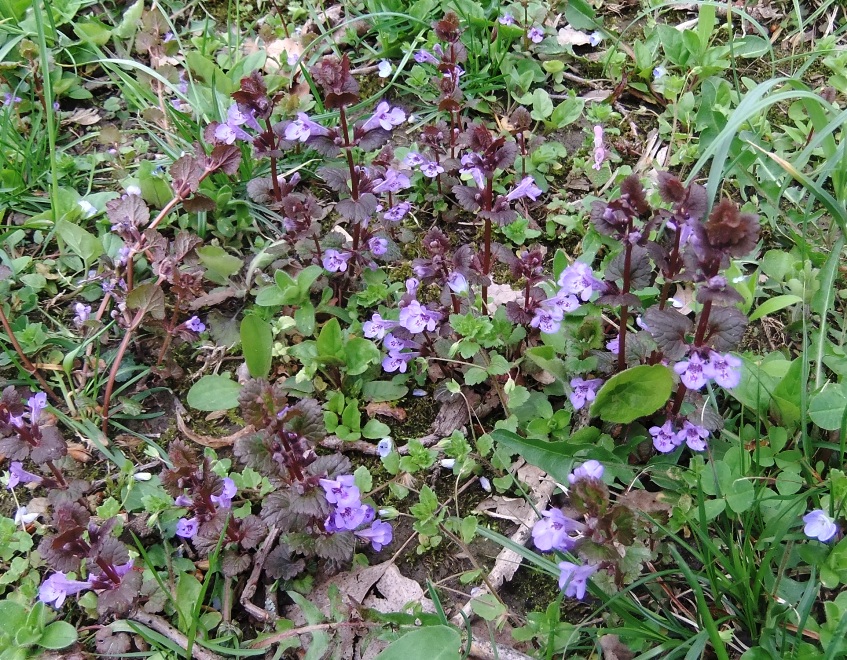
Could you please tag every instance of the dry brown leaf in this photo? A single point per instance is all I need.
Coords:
(515, 509)
(644, 501)
(386, 409)
(398, 591)
(613, 649)
(83, 117)
(77, 452)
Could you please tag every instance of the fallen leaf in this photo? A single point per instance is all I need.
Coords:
(514, 509)
(569, 37)
(386, 409)
(83, 117)
(398, 592)
(613, 649)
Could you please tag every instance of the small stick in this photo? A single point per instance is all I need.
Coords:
(250, 588)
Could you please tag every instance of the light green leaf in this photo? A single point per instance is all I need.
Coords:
(83, 243)
(257, 345)
(219, 261)
(212, 393)
(774, 305)
(58, 635)
(429, 643)
(828, 407)
(634, 393)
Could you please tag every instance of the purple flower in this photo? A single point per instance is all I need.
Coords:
(384, 117)
(384, 69)
(471, 166)
(595, 38)
(341, 491)
(547, 321)
(195, 324)
(23, 517)
(535, 34)
(335, 261)
(82, 313)
(574, 579)
(599, 149)
(231, 130)
(17, 475)
(123, 255)
(665, 438)
(506, 19)
(394, 181)
(378, 246)
(37, 403)
(88, 209)
(396, 361)
(379, 534)
(457, 282)
(659, 72)
(552, 532)
(431, 169)
(348, 517)
(692, 435)
(417, 318)
(10, 99)
(414, 159)
(57, 587)
(693, 373)
(395, 344)
(384, 447)
(583, 391)
(526, 188)
(724, 369)
(397, 212)
(485, 484)
(183, 500)
(377, 327)
(224, 500)
(302, 128)
(614, 345)
(579, 279)
(412, 285)
(563, 302)
(819, 526)
(589, 470)
(187, 528)
(424, 56)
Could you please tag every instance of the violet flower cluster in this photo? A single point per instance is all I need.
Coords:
(350, 515)
(557, 532)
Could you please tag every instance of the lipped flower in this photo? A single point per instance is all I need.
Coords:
(665, 438)
(819, 526)
(195, 324)
(578, 279)
(694, 372)
(348, 517)
(231, 130)
(17, 475)
(595, 38)
(393, 181)
(692, 435)
(417, 318)
(425, 57)
(384, 69)
(724, 369)
(553, 531)
(24, 517)
(591, 469)
(55, 589)
(378, 246)
(574, 578)
(187, 528)
(335, 261)
(37, 403)
(396, 361)
(377, 327)
(535, 34)
(431, 169)
(224, 500)
(599, 149)
(384, 447)
(526, 188)
(458, 283)
(384, 117)
(379, 534)
(583, 391)
(506, 19)
(547, 321)
(82, 313)
(397, 212)
(341, 491)
(302, 128)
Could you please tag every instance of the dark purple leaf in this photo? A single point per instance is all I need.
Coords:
(279, 564)
(226, 158)
(51, 446)
(358, 211)
(726, 328)
(468, 197)
(669, 329)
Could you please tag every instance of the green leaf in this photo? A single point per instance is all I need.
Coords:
(12, 617)
(488, 607)
(430, 643)
(475, 376)
(149, 298)
(375, 430)
(304, 319)
(129, 22)
(634, 393)
(83, 243)
(555, 458)
(257, 345)
(209, 72)
(828, 407)
(58, 635)
(774, 305)
(567, 112)
(330, 342)
(542, 106)
(383, 390)
(360, 354)
(219, 261)
(212, 393)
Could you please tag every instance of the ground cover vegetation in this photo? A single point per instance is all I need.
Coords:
(448, 329)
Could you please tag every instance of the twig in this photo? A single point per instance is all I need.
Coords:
(250, 588)
(161, 626)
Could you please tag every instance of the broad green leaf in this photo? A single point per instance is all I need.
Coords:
(376, 430)
(360, 354)
(429, 643)
(257, 345)
(828, 407)
(542, 106)
(58, 635)
(330, 342)
(774, 305)
(219, 261)
(555, 458)
(382, 390)
(212, 393)
(567, 112)
(488, 607)
(634, 393)
(83, 243)
(209, 72)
